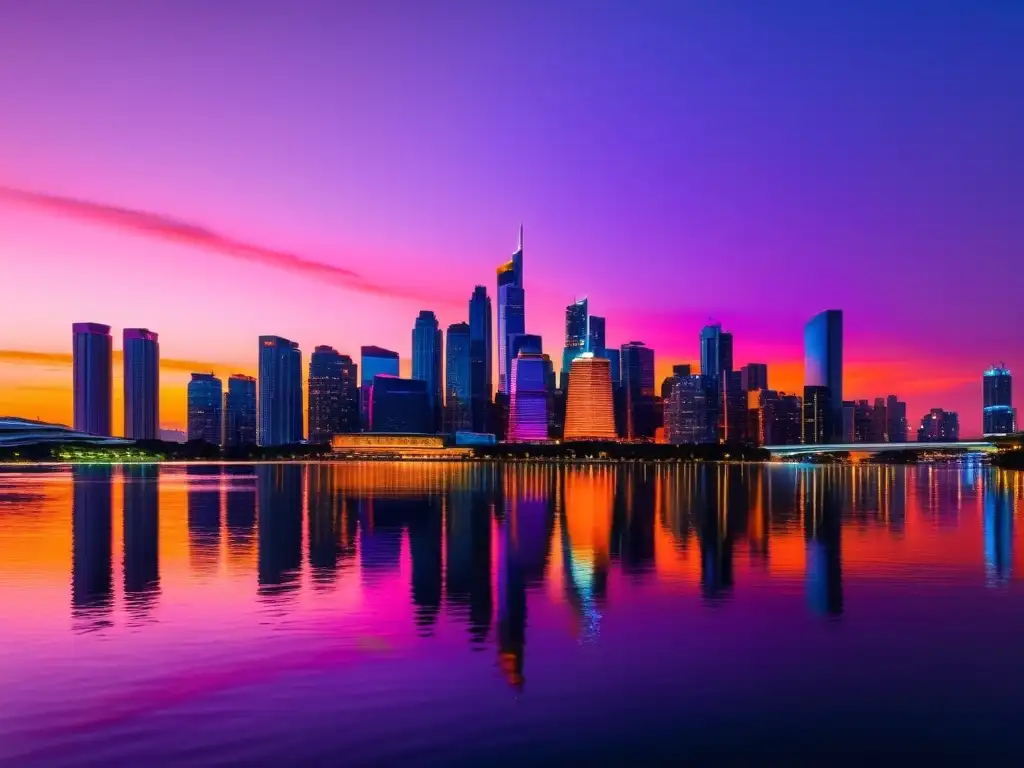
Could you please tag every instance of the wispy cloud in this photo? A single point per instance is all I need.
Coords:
(64, 360)
(163, 227)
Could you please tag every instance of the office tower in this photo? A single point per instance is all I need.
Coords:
(511, 310)
(997, 413)
(530, 343)
(897, 426)
(688, 415)
(458, 379)
(939, 426)
(400, 405)
(141, 384)
(595, 334)
(333, 394)
(786, 420)
(846, 431)
(373, 361)
(638, 384)
(92, 370)
(428, 361)
(715, 350)
(878, 431)
(863, 422)
(480, 364)
(823, 361)
(754, 376)
(733, 416)
(588, 409)
(818, 414)
(761, 405)
(528, 401)
(205, 401)
(577, 336)
(240, 411)
(280, 395)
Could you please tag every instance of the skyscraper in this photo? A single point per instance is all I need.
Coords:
(577, 336)
(373, 361)
(511, 310)
(715, 350)
(823, 362)
(240, 411)
(896, 424)
(588, 411)
(205, 402)
(688, 415)
(428, 361)
(399, 405)
(596, 342)
(528, 402)
(333, 394)
(280, 395)
(733, 416)
(93, 388)
(817, 415)
(480, 362)
(141, 384)
(997, 413)
(637, 361)
(754, 376)
(458, 379)
(530, 343)
(939, 426)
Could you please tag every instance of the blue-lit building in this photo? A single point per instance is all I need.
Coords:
(205, 408)
(240, 409)
(92, 358)
(480, 359)
(715, 351)
(400, 405)
(141, 384)
(997, 416)
(823, 362)
(511, 311)
(373, 361)
(529, 399)
(428, 361)
(280, 392)
(458, 379)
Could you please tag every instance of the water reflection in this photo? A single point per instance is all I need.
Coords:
(204, 502)
(92, 577)
(280, 510)
(141, 538)
(998, 527)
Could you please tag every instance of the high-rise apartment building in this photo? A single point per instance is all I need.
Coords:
(529, 399)
(480, 363)
(817, 415)
(280, 391)
(141, 384)
(333, 394)
(458, 379)
(637, 365)
(205, 408)
(589, 410)
(428, 362)
(939, 426)
(511, 311)
(240, 426)
(754, 376)
(823, 362)
(92, 360)
(997, 411)
(400, 405)
(373, 361)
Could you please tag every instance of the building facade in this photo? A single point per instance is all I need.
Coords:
(733, 417)
(823, 362)
(280, 392)
(529, 399)
(205, 408)
(817, 416)
(400, 406)
(333, 394)
(754, 376)
(637, 367)
(511, 311)
(715, 350)
(428, 362)
(373, 361)
(141, 384)
(596, 339)
(481, 359)
(689, 417)
(92, 371)
(589, 410)
(240, 408)
(458, 383)
(997, 410)
(939, 426)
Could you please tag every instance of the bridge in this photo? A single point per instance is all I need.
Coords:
(967, 446)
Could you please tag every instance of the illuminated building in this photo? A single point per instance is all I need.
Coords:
(240, 411)
(141, 384)
(511, 311)
(863, 422)
(92, 371)
(373, 361)
(939, 426)
(397, 446)
(823, 363)
(638, 385)
(733, 417)
(754, 376)
(280, 392)
(997, 414)
(333, 395)
(896, 424)
(205, 404)
(715, 351)
(588, 410)
(761, 413)
(458, 379)
(480, 363)
(577, 336)
(817, 415)
(427, 357)
(689, 416)
(528, 401)
(400, 405)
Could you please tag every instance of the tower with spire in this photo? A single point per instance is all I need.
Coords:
(511, 311)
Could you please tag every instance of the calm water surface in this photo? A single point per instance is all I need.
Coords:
(350, 614)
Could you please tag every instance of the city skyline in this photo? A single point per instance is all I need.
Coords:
(696, 202)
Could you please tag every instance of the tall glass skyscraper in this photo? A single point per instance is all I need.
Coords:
(511, 311)
(595, 331)
(997, 416)
(577, 336)
(141, 384)
(280, 396)
(373, 361)
(458, 379)
(715, 351)
(528, 409)
(823, 362)
(637, 361)
(481, 359)
(93, 388)
(333, 395)
(205, 403)
(428, 361)
(240, 411)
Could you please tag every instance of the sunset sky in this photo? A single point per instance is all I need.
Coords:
(324, 170)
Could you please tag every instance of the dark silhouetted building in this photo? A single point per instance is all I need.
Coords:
(939, 426)
(823, 363)
(141, 384)
(240, 411)
(863, 421)
(480, 362)
(511, 311)
(897, 427)
(786, 420)
(530, 343)
(333, 395)
(280, 395)
(595, 331)
(817, 418)
(761, 404)
(754, 376)
(428, 362)
(400, 405)
(637, 362)
(997, 413)
(373, 361)
(715, 350)
(92, 353)
(205, 403)
(458, 379)
(733, 416)
(689, 417)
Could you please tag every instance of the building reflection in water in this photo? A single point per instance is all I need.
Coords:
(381, 527)
(425, 549)
(279, 515)
(204, 502)
(240, 515)
(91, 535)
(468, 524)
(141, 537)
(712, 502)
(632, 534)
(330, 526)
(588, 496)
(998, 528)
(821, 498)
